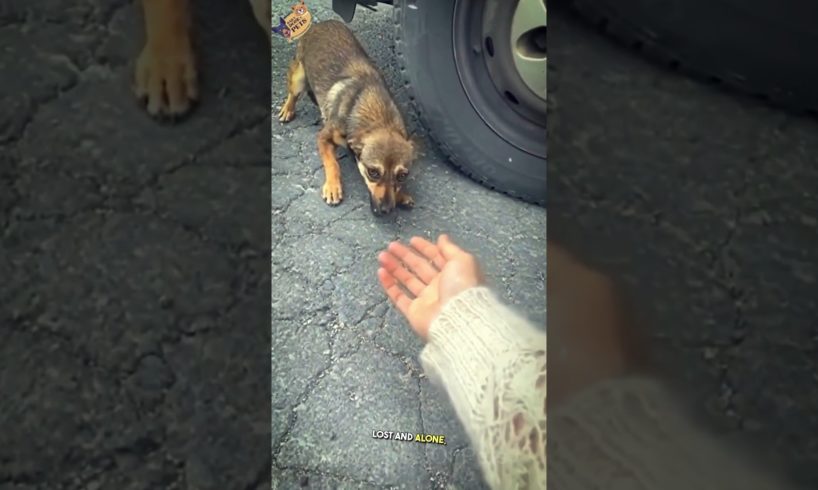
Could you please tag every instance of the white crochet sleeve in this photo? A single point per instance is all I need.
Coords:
(492, 364)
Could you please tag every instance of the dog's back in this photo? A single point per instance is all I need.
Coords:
(330, 53)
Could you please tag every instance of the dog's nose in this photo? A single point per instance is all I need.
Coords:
(380, 209)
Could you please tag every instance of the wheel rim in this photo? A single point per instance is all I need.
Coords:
(485, 59)
(527, 42)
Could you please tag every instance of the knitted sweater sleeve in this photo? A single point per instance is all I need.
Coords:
(492, 363)
(620, 433)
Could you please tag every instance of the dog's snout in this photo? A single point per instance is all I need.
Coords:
(380, 208)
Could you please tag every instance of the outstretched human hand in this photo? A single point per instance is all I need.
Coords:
(421, 279)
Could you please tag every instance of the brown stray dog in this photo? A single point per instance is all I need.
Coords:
(357, 109)
(166, 75)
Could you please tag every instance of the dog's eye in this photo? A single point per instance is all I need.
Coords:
(373, 173)
(401, 177)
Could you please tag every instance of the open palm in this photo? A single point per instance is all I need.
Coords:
(421, 279)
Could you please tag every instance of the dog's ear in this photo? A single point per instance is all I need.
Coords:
(355, 146)
(418, 147)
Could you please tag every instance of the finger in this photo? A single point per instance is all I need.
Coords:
(428, 250)
(403, 275)
(447, 248)
(394, 292)
(417, 263)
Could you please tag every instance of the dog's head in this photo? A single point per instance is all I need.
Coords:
(384, 159)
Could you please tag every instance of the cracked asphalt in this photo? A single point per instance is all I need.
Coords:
(704, 204)
(134, 269)
(344, 362)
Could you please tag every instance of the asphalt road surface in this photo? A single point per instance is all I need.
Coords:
(344, 362)
(701, 201)
(134, 256)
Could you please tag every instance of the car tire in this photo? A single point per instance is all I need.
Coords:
(759, 47)
(506, 152)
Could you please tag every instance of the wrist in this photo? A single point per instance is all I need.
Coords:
(474, 310)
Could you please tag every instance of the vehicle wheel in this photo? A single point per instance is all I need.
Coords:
(476, 72)
(760, 47)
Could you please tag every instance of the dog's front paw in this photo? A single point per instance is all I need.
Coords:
(166, 77)
(332, 192)
(287, 112)
(405, 200)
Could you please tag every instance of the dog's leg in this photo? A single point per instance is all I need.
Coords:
(332, 191)
(404, 199)
(166, 68)
(296, 83)
(261, 10)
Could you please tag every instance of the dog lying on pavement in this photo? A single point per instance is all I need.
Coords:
(357, 110)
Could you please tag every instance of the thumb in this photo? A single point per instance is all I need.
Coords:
(447, 248)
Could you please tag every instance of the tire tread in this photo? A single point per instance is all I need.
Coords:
(443, 141)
